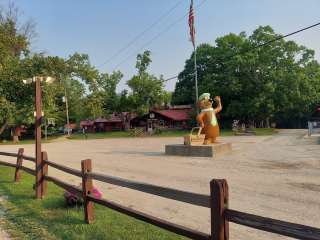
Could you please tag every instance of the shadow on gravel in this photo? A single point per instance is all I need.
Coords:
(308, 186)
(282, 165)
(134, 153)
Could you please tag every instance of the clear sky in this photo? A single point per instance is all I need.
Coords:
(102, 28)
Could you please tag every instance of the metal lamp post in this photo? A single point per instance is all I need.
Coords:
(65, 100)
(38, 117)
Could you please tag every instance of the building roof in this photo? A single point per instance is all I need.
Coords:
(129, 115)
(100, 120)
(114, 118)
(86, 123)
(176, 115)
(180, 107)
(71, 126)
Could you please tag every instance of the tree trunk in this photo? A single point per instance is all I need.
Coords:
(15, 139)
(261, 124)
(4, 126)
(16, 133)
(267, 123)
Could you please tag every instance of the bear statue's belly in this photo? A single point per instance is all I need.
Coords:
(210, 131)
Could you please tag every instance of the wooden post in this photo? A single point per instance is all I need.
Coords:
(44, 184)
(219, 202)
(87, 187)
(17, 174)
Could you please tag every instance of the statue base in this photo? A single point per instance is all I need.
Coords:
(198, 150)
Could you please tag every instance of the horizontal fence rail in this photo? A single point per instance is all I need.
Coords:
(28, 170)
(64, 168)
(181, 230)
(7, 164)
(32, 159)
(274, 226)
(64, 185)
(178, 195)
(9, 154)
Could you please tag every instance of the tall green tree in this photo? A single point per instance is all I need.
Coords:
(278, 82)
(14, 43)
(147, 90)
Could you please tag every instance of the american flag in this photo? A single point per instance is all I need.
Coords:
(191, 24)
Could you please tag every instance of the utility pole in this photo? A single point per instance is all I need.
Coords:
(67, 109)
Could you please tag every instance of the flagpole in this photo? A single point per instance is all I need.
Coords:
(195, 71)
(193, 40)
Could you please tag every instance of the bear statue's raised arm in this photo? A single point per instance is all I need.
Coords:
(219, 107)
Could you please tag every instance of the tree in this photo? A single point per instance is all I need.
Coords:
(88, 92)
(278, 82)
(14, 45)
(146, 89)
(107, 85)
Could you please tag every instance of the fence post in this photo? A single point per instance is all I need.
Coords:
(44, 173)
(17, 174)
(219, 197)
(87, 186)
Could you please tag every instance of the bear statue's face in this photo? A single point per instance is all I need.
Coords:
(205, 104)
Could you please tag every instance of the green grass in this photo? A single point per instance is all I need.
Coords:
(181, 133)
(100, 135)
(123, 134)
(28, 141)
(265, 131)
(127, 134)
(28, 218)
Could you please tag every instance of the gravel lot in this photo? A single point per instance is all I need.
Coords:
(274, 176)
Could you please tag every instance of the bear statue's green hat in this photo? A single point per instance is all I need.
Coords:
(204, 96)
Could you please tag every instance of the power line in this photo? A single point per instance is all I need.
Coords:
(174, 77)
(273, 40)
(157, 36)
(260, 45)
(137, 37)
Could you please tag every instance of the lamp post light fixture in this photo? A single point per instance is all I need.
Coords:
(38, 117)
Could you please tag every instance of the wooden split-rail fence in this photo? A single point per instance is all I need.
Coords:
(217, 201)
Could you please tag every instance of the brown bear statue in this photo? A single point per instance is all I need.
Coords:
(207, 119)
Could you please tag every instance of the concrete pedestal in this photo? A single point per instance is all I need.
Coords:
(198, 150)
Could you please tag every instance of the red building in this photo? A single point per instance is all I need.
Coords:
(88, 125)
(114, 122)
(173, 118)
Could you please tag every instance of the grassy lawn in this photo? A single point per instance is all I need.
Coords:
(172, 133)
(28, 218)
(100, 135)
(181, 133)
(123, 134)
(28, 141)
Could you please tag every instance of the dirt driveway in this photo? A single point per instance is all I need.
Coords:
(275, 176)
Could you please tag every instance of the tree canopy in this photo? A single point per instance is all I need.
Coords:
(278, 82)
(147, 90)
(90, 93)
